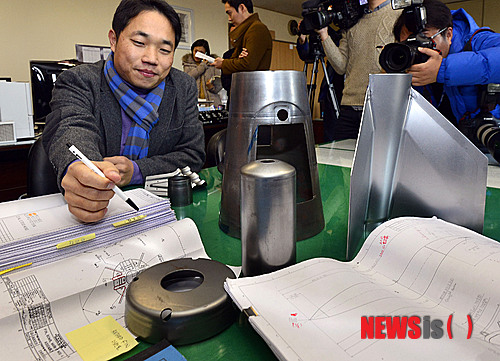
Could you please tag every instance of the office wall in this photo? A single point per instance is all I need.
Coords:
(491, 10)
(484, 12)
(49, 29)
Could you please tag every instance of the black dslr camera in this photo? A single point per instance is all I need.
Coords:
(483, 129)
(317, 14)
(398, 57)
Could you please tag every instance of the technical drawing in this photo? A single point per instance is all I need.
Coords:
(40, 305)
(491, 332)
(405, 291)
(116, 273)
(408, 267)
(39, 328)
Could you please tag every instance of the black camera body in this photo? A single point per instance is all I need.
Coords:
(318, 14)
(397, 57)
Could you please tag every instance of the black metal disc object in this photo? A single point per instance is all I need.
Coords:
(182, 300)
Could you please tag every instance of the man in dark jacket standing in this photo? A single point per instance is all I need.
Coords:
(250, 37)
(133, 115)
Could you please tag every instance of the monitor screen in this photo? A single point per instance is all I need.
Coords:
(43, 76)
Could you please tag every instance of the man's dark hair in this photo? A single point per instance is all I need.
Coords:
(201, 42)
(235, 3)
(129, 9)
(438, 16)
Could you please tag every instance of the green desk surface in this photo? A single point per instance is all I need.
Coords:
(240, 342)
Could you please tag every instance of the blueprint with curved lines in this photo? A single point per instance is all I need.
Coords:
(407, 266)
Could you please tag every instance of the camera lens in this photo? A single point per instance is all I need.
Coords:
(489, 135)
(396, 57)
(320, 19)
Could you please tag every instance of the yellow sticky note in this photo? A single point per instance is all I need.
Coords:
(74, 241)
(14, 268)
(101, 340)
(128, 221)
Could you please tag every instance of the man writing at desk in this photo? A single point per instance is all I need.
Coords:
(132, 114)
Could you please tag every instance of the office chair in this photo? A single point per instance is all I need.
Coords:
(41, 177)
(215, 149)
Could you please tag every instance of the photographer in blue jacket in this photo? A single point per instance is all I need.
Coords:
(467, 56)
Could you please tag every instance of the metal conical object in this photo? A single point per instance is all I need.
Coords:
(269, 117)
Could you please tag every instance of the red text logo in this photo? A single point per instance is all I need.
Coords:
(401, 327)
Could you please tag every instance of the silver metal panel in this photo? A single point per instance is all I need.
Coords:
(411, 161)
(276, 102)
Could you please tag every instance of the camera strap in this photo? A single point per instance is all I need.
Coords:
(468, 44)
(433, 91)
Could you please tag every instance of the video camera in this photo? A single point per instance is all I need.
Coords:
(483, 129)
(318, 14)
(398, 57)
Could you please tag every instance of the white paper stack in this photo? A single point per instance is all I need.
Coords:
(47, 235)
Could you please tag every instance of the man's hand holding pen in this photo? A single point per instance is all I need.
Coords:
(87, 193)
(84, 189)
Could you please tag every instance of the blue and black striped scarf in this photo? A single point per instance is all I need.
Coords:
(143, 112)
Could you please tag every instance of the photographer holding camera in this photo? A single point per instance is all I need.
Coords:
(465, 56)
(357, 56)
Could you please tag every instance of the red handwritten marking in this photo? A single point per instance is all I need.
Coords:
(449, 326)
(469, 321)
(293, 314)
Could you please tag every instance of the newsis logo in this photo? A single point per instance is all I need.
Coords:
(402, 327)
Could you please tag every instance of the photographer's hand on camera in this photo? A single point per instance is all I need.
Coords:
(426, 73)
(323, 33)
(302, 38)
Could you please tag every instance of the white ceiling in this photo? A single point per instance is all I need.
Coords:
(294, 7)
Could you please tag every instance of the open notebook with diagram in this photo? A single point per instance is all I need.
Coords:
(39, 305)
(322, 309)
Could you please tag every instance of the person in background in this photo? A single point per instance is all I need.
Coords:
(251, 40)
(466, 56)
(133, 114)
(207, 77)
(326, 102)
(357, 56)
(226, 78)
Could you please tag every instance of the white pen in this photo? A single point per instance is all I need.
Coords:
(96, 170)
